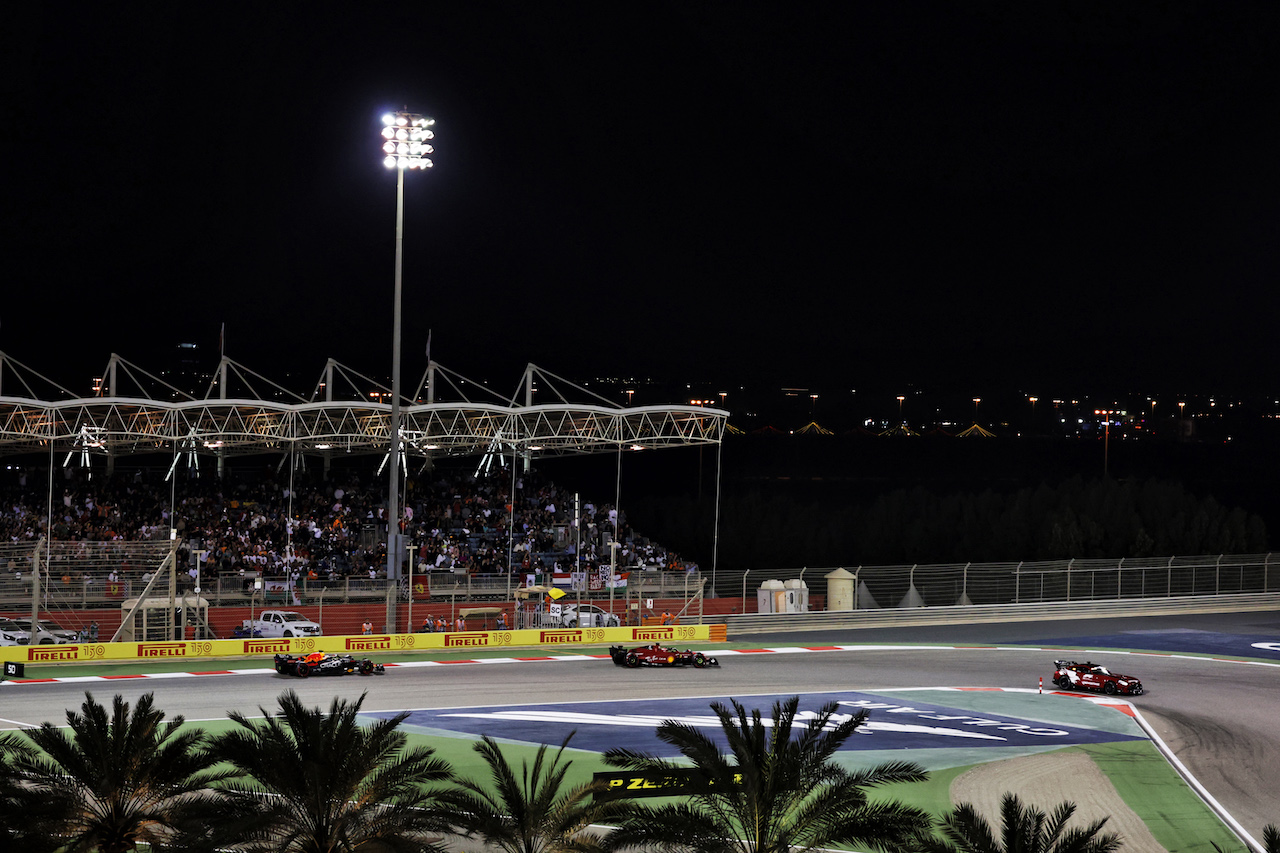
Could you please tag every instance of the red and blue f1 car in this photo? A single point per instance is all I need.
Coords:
(321, 663)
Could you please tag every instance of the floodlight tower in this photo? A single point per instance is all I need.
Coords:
(406, 143)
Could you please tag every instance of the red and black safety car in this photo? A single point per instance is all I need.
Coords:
(1073, 675)
(321, 663)
(659, 655)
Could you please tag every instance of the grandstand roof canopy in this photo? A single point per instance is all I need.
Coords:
(135, 412)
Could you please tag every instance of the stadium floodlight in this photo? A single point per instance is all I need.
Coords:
(406, 144)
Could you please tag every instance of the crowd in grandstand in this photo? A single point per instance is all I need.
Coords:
(332, 529)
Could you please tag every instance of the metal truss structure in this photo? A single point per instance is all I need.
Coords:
(135, 412)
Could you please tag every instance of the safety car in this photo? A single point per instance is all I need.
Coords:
(1074, 675)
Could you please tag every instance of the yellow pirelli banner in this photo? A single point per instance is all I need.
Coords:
(362, 644)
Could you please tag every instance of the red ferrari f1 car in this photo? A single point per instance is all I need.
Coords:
(1071, 675)
(658, 655)
(320, 663)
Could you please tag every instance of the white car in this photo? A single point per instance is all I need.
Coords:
(11, 634)
(48, 632)
(590, 616)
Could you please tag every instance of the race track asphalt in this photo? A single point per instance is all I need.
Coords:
(1214, 711)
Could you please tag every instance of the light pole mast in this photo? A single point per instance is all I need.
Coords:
(406, 145)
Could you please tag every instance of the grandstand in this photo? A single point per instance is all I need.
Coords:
(308, 548)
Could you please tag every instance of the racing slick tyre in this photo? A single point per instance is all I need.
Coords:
(302, 670)
(631, 660)
(699, 661)
(365, 667)
(1061, 681)
(1109, 688)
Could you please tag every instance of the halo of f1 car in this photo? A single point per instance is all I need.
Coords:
(1073, 675)
(321, 663)
(659, 655)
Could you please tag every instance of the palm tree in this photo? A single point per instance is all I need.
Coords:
(310, 782)
(112, 783)
(776, 791)
(1025, 829)
(23, 826)
(532, 812)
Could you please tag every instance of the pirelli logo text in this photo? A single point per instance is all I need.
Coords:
(162, 650)
(618, 785)
(266, 647)
(453, 641)
(368, 644)
(44, 654)
(552, 637)
(664, 633)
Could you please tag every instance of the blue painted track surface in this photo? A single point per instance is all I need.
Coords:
(1182, 640)
(893, 724)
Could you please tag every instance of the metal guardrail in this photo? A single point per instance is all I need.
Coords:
(901, 617)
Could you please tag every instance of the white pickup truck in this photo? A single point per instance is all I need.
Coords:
(283, 623)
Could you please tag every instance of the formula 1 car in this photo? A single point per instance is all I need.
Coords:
(320, 663)
(657, 655)
(1069, 674)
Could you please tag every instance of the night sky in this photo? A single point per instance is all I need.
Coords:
(968, 193)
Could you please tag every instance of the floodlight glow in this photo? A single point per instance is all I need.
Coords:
(406, 134)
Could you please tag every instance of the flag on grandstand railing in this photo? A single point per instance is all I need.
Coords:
(599, 579)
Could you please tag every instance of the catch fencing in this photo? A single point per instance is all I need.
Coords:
(82, 582)
(1049, 581)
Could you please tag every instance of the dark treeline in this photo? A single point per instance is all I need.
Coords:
(1078, 517)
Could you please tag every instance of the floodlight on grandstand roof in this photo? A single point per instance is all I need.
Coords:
(407, 140)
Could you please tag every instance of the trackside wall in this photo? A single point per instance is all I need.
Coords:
(559, 638)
